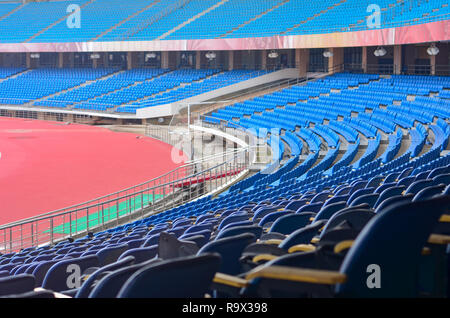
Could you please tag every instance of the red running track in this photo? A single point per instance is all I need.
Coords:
(45, 166)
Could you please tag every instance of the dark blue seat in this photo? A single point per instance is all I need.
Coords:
(359, 193)
(230, 249)
(4, 273)
(259, 214)
(355, 219)
(416, 186)
(205, 234)
(429, 192)
(422, 175)
(57, 276)
(321, 197)
(442, 178)
(110, 285)
(312, 207)
(370, 199)
(86, 287)
(171, 247)
(40, 270)
(295, 205)
(394, 199)
(374, 182)
(385, 186)
(178, 231)
(336, 198)
(327, 211)
(151, 240)
(136, 243)
(199, 227)
(437, 171)
(239, 223)
(188, 277)
(392, 177)
(406, 181)
(232, 219)
(394, 246)
(302, 236)
(389, 192)
(392, 242)
(271, 217)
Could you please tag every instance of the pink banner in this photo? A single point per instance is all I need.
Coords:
(422, 33)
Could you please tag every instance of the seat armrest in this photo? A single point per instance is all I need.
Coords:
(297, 275)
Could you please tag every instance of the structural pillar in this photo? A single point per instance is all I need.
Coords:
(336, 61)
(397, 59)
(302, 61)
(71, 59)
(198, 60)
(60, 59)
(28, 60)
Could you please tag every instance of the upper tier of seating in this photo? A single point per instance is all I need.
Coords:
(118, 20)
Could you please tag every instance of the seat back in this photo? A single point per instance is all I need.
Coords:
(289, 223)
(171, 247)
(253, 229)
(86, 287)
(389, 192)
(429, 192)
(303, 235)
(109, 255)
(394, 199)
(356, 218)
(370, 199)
(110, 285)
(416, 186)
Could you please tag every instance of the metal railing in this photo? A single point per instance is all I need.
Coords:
(183, 184)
